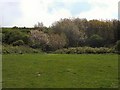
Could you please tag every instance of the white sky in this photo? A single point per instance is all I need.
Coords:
(29, 12)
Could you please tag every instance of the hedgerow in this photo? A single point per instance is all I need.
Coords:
(9, 49)
(85, 50)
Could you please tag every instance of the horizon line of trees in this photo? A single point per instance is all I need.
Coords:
(65, 33)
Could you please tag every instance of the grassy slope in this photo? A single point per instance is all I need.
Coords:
(84, 71)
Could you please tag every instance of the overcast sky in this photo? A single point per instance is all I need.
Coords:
(29, 12)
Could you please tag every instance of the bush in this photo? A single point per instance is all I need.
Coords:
(38, 39)
(95, 41)
(8, 49)
(117, 46)
(85, 50)
(18, 43)
(56, 42)
(10, 36)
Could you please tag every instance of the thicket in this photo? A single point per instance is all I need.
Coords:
(85, 50)
(9, 49)
(67, 33)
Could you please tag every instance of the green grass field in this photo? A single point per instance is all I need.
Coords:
(60, 71)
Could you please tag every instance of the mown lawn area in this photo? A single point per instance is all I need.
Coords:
(60, 71)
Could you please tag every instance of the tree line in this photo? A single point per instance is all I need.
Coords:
(65, 33)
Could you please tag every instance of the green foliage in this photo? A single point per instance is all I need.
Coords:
(95, 41)
(0, 37)
(18, 43)
(117, 46)
(3, 37)
(0, 48)
(67, 33)
(10, 36)
(8, 49)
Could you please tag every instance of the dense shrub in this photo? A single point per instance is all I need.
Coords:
(0, 49)
(117, 46)
(18, 43)
(95, 41)
(38, 39)
(0, 37)
(10, 36)
(86, 50)
(47, 42)
(8, 49)
(56, 41)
